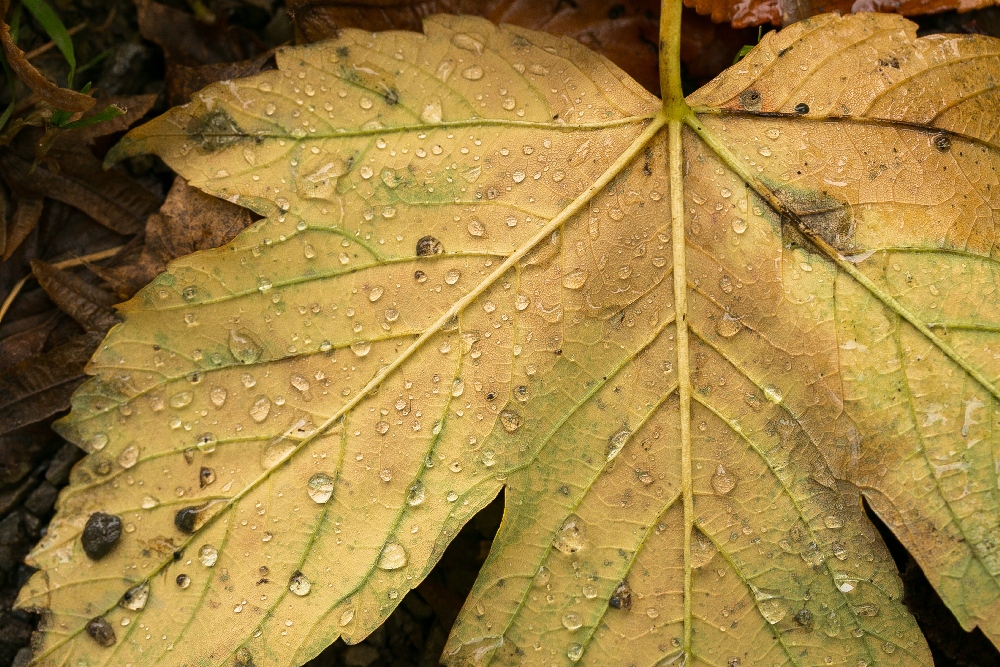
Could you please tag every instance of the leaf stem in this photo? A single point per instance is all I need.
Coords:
(671, 91)
(676, 157)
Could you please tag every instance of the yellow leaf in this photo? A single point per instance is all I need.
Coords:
(684, 337)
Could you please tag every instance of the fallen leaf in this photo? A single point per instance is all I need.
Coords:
(685, 341)
(759, 12)
(60, 98)
(188, 220)
(88, 304)
(624, 32)
(26, 214)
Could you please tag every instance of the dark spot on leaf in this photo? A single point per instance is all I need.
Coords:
(801, 108)
(821, 214)
(391, 97)
(206, 476)
(622, 597)
(215, 130)
(243, 658)
(343, 52)
(185, 519)
(101, 631)
(942, 142)
(804, 618)
(750, 99)
(784, 51)
(891, 61)
(101, 534)
(428, 245)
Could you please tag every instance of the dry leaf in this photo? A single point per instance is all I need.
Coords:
(685, 340)
(759, 12)
(60, 98)
(89, 305)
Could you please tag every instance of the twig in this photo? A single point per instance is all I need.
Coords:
(47, 46)
(65, 264)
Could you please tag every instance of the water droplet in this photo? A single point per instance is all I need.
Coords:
(428, 245)
(365, 103)
(320, 487)
(245, 346)
(135, 598)
(617, 441)
(415, 495)
(361, 347)
(206, 442)
(218, 396)
(542, 577)
(773, 394)
(381, 427)
(99, 441)
(299, 584)
(101, 631)
(702, 549)
(510, 420)
(432, 111)
(764, 151)
(451, 497)
(832, 521)
(769, 604)
(739, 225)
(181, 399)
(346, 617)
(622, 597)
(457, 387)
(571, 535)
(183, 581)
(521, 301)
(100, 534)
(129, 457)
(467, 42)
(571, 620)
(474, 73)
(589, 591)
(148, 502)
(206, 476)
(728, 326)
(476, 228)
(452, 276)
(208, 555)
(260, 408)
(393, 557)
(264, 284)
(375, 293)
(517, 176)
(723, 481)
(576, 279)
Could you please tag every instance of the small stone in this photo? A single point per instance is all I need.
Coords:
(101, 534)
(57, 473)
(42, 499)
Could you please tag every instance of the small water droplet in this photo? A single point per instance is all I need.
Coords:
(728, 326)
(576, 279)
(473, 73)
(129, 457)
(572, 621)
(428, 245)
(457, 387)
(617, 441)
(476, 228)
(510, 420)
(100, 534)
(245, 346)
(135, 598)
(183, 581)
(361, 347)
(415, 495)
(452, 276)
(432, 111)
(181, 399)
(218, 396)
(260, 408)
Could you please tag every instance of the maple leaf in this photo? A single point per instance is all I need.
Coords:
(684, 336)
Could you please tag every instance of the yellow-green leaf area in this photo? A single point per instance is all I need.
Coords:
(684, 337)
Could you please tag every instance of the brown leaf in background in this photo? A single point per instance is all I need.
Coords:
(26, 337)
(189, 220)
(109, 197)
(625, 32)
(60, 98)
(135, 107)
(184, 80)
(745, 13)
(27, 211)
(89, 305)
(40, 386)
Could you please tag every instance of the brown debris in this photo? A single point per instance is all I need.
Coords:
(60, 98)
(90, 306)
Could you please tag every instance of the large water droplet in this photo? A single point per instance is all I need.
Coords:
(457, 387)
(129, 456)
(728, 326)
(617, 441)
(571, 535)
(432, 111)
(299, 584)
(576, 279)
(245, 346)
(510, 420)
(415, 495)
(260, 408)
(320, 487)
(473, 73)
(218, 396)
(135, 598)
(181, 399)
(393, 557)
(723, 481)
(770, 605)
(208, 555)
(574, 652)
(361, 347)
(702, 549)
(572, 620)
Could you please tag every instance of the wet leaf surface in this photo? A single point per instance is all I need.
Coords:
(485, 263)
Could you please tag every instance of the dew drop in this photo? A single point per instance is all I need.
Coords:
(206, 476)
(739, 225)
(393, 557)
(428, 245)
(181, 399)
(101, 631)
(208, 555)
(129, 457)
(218, 396)
(575, 280)
(476, 228)
(244, 346)
(728, 326)
(474, 73)
(135, 598)
(452, 276)
(415, 495)
(510, 420)
(260, 408)
(457, 387)
(723, 481)
(571, 535)
(183, 581)
(617, 441)
(299, 584)
(572, 621)
(320, 487)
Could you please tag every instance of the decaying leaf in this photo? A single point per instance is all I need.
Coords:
(759, 12)
(685, 338)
